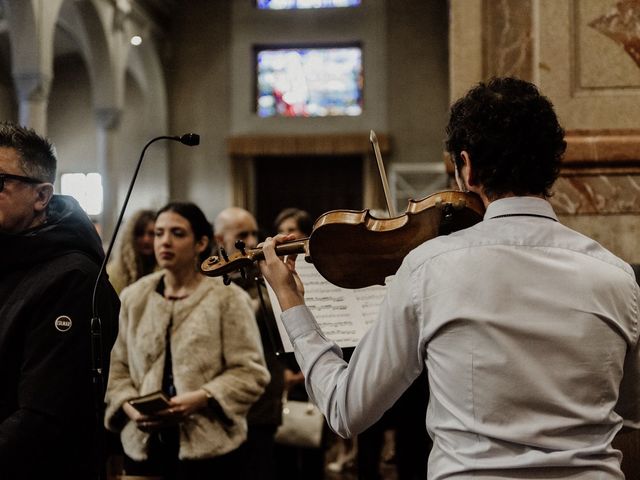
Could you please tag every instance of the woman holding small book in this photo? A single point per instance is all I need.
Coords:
(190, 347)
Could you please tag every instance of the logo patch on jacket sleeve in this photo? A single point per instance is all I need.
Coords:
(63, 323)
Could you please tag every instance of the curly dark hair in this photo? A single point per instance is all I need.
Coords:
(512, 136)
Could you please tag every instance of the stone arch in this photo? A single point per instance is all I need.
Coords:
(106, 52)
(31, 28)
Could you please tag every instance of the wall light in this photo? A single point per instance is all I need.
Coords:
(136, 40)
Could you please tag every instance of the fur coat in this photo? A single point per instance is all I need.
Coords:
(215, 346)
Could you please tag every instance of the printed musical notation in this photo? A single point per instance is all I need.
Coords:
(343, 315)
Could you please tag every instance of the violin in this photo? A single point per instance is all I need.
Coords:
(353, 249)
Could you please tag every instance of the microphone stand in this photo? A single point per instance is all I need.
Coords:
(97, 366)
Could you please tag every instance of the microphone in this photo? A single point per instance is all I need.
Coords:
(190, 139)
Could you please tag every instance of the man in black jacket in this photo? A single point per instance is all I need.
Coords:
(50, 255)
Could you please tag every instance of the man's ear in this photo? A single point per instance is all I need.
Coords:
(467, 167)
(44, 192)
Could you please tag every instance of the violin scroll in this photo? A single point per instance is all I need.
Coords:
(216, 266)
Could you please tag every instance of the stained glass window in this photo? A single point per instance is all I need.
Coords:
(309, 82)
(300, 4)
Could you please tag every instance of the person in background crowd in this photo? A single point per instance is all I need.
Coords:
(231, 225)
(492, 312)
(49, 263)
(134, 257)
(195, 340)
(294, 221)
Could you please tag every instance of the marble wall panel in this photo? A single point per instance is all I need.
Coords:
(465, 46)
(599, 195)
(607, 39)
(507, 38)
(589, 76)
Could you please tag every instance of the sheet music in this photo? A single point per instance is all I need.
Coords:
(344, 315)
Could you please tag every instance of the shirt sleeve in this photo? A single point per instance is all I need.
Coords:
(386, 361)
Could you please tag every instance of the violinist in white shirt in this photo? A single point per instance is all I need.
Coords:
(528, 329)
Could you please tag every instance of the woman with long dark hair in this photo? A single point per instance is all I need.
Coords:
(195, 340)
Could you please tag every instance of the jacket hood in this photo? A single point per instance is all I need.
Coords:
(67, 228)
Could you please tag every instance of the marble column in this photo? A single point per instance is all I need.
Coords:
(33, 96)
(108, 122)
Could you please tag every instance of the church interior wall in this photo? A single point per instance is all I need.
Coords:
(8, 104)
(417, 72)
(71, 117)
(365, 25)
(199, 91)
(196, 74)
(211, 73)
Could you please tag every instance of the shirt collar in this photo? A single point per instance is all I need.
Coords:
(520, 206)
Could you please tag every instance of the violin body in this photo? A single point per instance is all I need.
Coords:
(353, 249)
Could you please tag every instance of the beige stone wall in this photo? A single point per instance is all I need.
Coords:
(584, 55)
(593, 81)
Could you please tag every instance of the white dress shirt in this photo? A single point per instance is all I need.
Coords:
(529, 333)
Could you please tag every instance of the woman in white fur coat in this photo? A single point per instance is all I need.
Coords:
(196, 340)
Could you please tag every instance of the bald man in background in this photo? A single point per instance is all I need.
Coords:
(231, 225)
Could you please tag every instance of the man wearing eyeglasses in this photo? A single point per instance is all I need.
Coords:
(49, 259)
(232, 225)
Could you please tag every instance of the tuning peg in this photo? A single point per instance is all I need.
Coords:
(447, 212)
(223, 252)
(226, 279)
(240, 245)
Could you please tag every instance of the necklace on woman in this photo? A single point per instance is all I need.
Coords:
(182, 291)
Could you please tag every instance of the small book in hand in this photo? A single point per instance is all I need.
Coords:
(151, 403)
